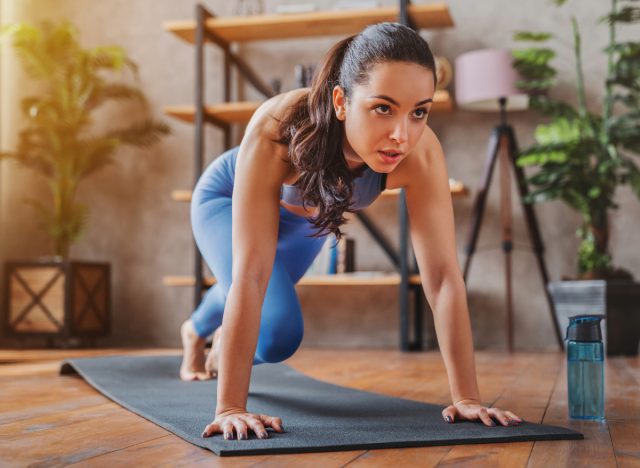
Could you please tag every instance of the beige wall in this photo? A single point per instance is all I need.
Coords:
(135, 225)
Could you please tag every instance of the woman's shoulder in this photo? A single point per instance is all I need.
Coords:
(261, 140)
(270, 113)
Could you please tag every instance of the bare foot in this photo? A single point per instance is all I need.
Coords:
(211, 365)
(192, 367)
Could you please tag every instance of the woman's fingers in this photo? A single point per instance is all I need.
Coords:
(483, 414)
(227, 430)
(478, 412)
(256, 426)
(500, 416)
(514, 417)
(241, 428)
(449, 413)
(241, 423)
(211, 429)
(270, 421)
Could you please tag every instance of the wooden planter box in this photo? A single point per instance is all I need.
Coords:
(57, 298)
(617, 300)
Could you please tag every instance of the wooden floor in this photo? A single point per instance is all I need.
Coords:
(47, 420)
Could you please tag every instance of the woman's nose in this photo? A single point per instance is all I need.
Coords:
(399, 132)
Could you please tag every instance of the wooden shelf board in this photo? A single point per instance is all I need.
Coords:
(229, 112)
(390, 279)
(314, 24)
(181, 195)
(241, 112)
(458, 189)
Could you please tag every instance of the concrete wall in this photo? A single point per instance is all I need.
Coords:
(135, 225)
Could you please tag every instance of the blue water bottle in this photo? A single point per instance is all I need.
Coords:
(585, 367)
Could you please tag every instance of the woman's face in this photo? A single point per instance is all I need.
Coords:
(384, 118)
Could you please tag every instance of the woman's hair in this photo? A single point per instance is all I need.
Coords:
(313, 133)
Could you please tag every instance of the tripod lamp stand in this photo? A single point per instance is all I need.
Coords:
(485, 82)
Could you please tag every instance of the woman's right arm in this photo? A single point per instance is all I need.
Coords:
(260, 171)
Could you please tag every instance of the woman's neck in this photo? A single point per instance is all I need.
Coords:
(354, 161)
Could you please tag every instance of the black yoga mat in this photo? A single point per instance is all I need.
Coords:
(317, 416)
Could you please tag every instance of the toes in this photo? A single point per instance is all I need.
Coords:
(188, 376)
(204, 376)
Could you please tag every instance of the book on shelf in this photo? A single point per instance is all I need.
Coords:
(334, 257)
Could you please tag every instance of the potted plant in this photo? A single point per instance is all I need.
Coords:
(581, 158)
(56, 296)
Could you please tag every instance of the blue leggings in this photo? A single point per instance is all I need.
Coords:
(281, 323)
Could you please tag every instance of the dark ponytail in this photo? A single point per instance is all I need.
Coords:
(312, 131)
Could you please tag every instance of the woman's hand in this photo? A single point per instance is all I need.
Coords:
(473, 410)
(240, 420)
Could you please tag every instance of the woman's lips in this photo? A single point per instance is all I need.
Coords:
(389, 157)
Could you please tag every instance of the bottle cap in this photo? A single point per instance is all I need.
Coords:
(584, 328)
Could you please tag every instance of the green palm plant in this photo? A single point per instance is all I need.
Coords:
(57, 140)
(582, 157)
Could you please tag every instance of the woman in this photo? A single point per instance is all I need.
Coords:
(307, 157)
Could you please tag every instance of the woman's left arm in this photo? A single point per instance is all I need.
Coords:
(433, 238)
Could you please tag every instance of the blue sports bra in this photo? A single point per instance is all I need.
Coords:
(366, 189)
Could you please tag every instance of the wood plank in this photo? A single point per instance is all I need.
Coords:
(341, 279)
(527, 394)
(313, 24)
(495, 374)
(404, 376)
(229, 112)
(37, 356)
(53, 420)
(153, 453)
(25, 396)
(392, 374)
(458, 189)
(241, 112)
(33, 368)
(625, 437)
(99, 431)
(595, 450)
(416, 456)
(622, 393)
(173, 451)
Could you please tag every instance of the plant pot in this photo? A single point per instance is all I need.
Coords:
(617, 300)
(56, 298)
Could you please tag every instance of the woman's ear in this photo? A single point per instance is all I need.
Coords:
(339, 103)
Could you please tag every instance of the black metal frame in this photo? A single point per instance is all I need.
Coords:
(504, 132)
(399, 259)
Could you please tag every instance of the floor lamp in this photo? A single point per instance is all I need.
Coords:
(485, 82)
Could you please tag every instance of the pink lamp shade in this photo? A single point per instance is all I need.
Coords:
(483, 77)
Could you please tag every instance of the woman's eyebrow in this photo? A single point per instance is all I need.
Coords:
(393, 101)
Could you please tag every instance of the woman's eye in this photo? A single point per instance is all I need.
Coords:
(420, 113)
(383, 109)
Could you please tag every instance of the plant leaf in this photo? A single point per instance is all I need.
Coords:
(633, 174)
(141, 134)
(104, 93)
(560, 130)
(552, 107)
(532, 36)
(627, 14)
